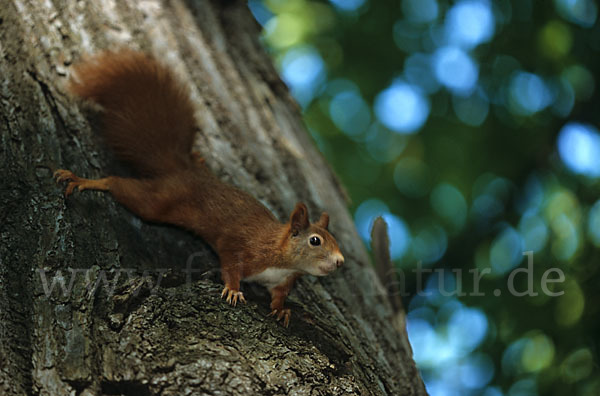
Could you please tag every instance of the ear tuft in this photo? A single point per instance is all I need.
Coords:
(323, 221)
(299, 219)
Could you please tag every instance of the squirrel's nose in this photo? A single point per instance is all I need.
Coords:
(339, 261)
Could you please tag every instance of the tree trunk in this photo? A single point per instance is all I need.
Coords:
(140, 312)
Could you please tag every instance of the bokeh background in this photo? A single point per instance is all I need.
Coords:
(471, 126)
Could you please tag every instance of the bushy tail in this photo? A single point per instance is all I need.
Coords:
(148, 115)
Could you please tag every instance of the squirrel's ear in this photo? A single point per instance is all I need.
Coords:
(299, 219)
(323, 221)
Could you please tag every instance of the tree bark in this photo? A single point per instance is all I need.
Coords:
(128, 335)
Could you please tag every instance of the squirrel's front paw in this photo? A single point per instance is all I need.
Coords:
(284, 313)
(233, 296)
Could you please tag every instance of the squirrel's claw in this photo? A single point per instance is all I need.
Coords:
(63, 174)
(66, 175)
(233, 296)
(284, 313)
(82, 184)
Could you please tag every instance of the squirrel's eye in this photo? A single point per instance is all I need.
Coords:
(315, 241)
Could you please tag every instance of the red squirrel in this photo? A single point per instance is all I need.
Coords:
(148, 121)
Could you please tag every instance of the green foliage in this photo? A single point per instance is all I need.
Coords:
(471, 127)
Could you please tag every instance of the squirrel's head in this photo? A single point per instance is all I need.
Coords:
(311, 248)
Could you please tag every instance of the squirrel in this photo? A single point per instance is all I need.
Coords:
(148, 121)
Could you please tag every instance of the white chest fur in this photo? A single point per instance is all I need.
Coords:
(271, 277)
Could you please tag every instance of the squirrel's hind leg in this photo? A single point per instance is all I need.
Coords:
(79, 182)
(157, 200)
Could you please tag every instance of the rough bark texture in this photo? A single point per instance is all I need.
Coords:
(178, 338)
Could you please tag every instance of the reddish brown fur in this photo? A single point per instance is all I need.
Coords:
(134, 91)
(149, 123)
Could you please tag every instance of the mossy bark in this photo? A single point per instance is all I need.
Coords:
(130, 335)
